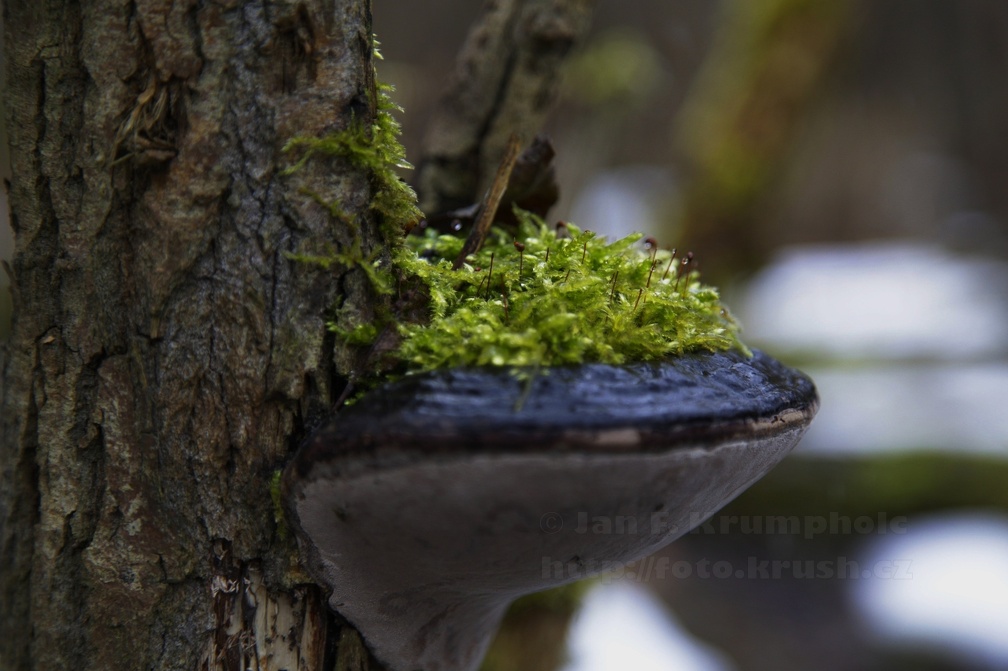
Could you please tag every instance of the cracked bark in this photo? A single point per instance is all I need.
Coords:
(506, 79)
(166, 355)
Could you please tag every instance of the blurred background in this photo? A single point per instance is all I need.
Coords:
(840, 169)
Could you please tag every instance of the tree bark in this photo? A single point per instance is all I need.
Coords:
(166, 354)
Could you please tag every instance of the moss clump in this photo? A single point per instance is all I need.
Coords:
(380, 278)
(375, 147)
(564, 299)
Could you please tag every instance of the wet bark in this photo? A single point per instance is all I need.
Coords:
(166, 353)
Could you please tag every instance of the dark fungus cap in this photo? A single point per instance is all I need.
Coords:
(433, 502)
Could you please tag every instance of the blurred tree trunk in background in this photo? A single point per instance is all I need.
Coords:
(768, 61)
(165, 354)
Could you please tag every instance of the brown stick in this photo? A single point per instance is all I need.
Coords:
(505, 81)
(491, 201)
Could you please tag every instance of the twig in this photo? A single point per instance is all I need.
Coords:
(506, 77)
(491, 201)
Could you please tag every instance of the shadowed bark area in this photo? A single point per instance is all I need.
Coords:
(166, 354)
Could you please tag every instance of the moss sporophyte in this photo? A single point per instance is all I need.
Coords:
(557, 298)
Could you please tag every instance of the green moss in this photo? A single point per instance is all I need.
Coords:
(360, 335)
(563, 300)
(376, 148)
(380, 278)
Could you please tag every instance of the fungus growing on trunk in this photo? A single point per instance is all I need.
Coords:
(433, 502)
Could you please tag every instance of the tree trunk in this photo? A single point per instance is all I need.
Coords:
(166, 353)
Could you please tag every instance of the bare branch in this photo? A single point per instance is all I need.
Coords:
(505, 82)
(488, 210)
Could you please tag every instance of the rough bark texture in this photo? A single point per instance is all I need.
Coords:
(505, 82)
(166, 355)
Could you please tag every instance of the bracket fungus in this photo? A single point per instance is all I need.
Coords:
(434, 501)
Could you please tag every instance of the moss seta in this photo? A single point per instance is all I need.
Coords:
(557, 299)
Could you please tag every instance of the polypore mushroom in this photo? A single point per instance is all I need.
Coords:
(433, 502)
